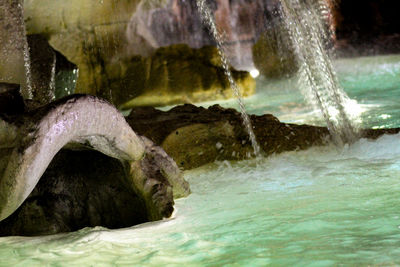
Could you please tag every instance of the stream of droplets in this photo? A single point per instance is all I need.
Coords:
(306, 30)
(208, 20)
(27, 91)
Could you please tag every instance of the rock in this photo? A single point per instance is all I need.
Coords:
(11, 103)
(26, 60)
(13, 45)
(174, 74)
(92, 33)
(79, 189)
(151, 177)
(37, 135)
(97, 34)
(159, 158)
(194, 136)
(43, 132)
(7, 87)
(179, 22)
(272, 54)
(84, 188)
(43, 69)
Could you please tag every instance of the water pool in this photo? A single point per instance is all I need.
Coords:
(318, 207)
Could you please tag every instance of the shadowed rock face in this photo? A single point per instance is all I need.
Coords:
(194, 136)
(85, 188)
(78, 119)
(12, 44)
(36, 136)
(79, 189)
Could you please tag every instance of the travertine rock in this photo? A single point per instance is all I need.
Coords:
(173, 75)
(32, 138)
(194, 136)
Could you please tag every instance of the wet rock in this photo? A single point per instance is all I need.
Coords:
(194, 136)
(26, 60)
(151, 177)
(28, 144)
(272, 54)
(174, 74)
(83, 188)
(13, 44)
(43, 69)
(94, 30)
(179, 22)
(79, 189)
(101, 34)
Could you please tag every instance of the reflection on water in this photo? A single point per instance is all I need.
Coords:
(322, 206)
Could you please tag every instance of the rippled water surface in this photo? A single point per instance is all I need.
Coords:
(373, 81)
(319, 207)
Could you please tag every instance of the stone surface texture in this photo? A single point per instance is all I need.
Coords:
(13, 45)
(272, 54)
(31, 138)
(173, 75)
(85, 188)
(43, 69)
(79, 119)
(97, 35)
(79, 189)
(194, 136)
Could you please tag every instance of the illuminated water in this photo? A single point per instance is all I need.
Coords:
(317, 78)
(26, 92)
(319, 207)
(373, 81)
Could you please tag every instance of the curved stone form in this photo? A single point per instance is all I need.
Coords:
(78, 119)
(158, 180)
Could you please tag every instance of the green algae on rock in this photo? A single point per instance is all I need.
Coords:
(173, 75)
(194, 136)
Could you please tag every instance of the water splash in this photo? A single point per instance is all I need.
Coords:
(208, 20)
(317, 78)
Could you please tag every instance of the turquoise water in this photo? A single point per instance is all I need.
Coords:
(320, 207)
(373, 81)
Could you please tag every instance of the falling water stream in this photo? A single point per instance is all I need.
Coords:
(318, 207)
(307, 33)
(208, 20)
(27, 91)
(317, 78)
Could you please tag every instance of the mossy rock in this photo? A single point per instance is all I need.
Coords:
(173, 75)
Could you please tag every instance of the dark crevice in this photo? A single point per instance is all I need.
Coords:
(79, 189)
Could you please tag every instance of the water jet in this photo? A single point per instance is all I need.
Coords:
(307, 203)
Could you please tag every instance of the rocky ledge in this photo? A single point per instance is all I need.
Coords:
(129, 179)
(194, 136)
